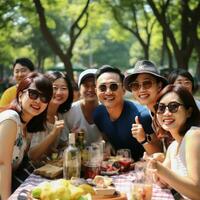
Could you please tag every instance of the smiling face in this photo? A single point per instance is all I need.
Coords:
(60, 92)
(87, 89)
(185, 82)
(31, 106)
(146, 95)
(110, 98)
(20, 72)
(172, 121)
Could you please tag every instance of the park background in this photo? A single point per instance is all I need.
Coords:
(73, 35)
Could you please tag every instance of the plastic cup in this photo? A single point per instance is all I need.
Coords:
(141, 191)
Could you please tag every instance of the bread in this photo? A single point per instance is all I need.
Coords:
(49, 171)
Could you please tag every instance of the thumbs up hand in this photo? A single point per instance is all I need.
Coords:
(137, 130)
(58, 125)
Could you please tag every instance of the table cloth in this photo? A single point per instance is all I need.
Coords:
(122, 183)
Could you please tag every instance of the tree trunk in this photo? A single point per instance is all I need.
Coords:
(75, 32)
(189, 22)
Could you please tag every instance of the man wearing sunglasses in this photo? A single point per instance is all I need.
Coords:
(116, 115)
(21, 68)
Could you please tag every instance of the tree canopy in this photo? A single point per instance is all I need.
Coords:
(96, 32)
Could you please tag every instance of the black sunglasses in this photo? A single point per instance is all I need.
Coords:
(34, 94)
(172, 107)
(112, 86)
(147, 84)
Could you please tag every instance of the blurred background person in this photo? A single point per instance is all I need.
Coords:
(26, 113)
(43, 143)
(184, 78)
(21, 68)
(76, 93)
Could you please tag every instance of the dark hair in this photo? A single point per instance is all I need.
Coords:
(24, 62)
(44, 85)
(53, 76)
(108, 68)
(188, 102)
(180, 72)
(75, 86)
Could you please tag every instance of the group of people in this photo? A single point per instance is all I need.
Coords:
(38, 113)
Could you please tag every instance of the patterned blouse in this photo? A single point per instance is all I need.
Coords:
(20, 141)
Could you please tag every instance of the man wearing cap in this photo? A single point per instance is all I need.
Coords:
(21, 68)
(116, 116)
(145, 83)
(80, 117)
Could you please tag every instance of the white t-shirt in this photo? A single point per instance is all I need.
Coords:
(20, 144)
(76, 119)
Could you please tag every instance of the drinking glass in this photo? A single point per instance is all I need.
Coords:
(124, 158)
(124, 153)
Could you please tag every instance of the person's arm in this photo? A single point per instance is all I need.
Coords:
(8, 131)
(37, 151)
(188, 186)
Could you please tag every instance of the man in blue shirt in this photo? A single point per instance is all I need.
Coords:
(115, 116)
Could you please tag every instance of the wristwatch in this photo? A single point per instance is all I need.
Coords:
(147, 139)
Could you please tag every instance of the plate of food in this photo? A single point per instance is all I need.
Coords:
(109, 173)
(116, 164)
(59, 189)
(104, 189)
(64, 189)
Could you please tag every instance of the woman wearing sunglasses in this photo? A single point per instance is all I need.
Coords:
(43, 143)
(26, 113)
(145, 83)
(177, 113)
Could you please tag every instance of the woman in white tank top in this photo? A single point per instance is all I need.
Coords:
(177, 112)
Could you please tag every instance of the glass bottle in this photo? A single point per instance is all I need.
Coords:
(81, 140)
(80, 143)
(72, 159)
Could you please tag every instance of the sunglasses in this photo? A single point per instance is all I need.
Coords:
(136, 85)
(112, 86)
(34, 94)
(172, 107)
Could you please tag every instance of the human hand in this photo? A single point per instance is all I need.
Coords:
(157, 156)
(152, 168)
(137, 130)
(58, 125)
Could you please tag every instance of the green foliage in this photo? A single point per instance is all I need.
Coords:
(104, 41)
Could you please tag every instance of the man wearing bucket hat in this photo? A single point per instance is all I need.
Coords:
(145, 83)
(116, 115)
(79, 117)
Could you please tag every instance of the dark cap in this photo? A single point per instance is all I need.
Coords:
(143, 66)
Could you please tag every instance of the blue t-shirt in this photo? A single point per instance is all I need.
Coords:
(118, 132)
